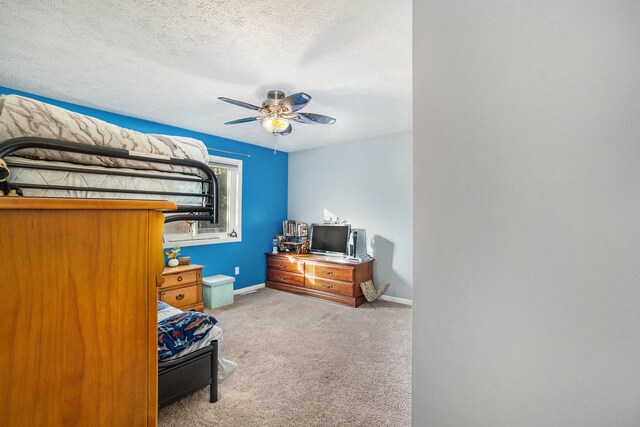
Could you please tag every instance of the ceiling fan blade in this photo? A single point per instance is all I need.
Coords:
(296, 101)
(287, 131)
(311, 118)
(248, 119)
(239, 103)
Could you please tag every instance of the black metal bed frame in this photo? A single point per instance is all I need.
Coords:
(182, 376)
(207, 212)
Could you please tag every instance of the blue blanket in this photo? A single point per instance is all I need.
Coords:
(178, 332)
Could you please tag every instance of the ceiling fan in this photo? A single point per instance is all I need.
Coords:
(279, 111)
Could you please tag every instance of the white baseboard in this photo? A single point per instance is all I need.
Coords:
(248, 289)
(383, 297)
(397, 300)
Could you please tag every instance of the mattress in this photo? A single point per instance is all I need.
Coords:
(161, 182)
(26, 117)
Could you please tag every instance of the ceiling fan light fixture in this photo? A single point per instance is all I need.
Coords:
(275, 124)
(280, 112)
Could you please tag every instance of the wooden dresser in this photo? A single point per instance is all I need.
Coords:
(182, 287)
(79, 320)
(325, 277)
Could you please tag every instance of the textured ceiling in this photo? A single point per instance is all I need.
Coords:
(168, 61)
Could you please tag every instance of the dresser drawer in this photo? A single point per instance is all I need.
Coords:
(327, 271)
(183, 278)
(285, 264)
(327, 285)
(285, 277)
(181, 297)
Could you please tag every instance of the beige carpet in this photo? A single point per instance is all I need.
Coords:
(305, 362)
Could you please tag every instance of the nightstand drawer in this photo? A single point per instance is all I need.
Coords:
(178, 279)
(285, 277)
(332, 286)
(326, 271)
(181, 297)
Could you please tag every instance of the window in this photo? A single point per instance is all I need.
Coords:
(229, 175)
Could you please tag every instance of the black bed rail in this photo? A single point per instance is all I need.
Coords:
(207, 212)
(182, 376)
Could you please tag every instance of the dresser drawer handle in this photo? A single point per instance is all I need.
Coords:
(179, 278)
(327, 286)
(283, 278)
(180, 297)
(284, 265)
(327, 272)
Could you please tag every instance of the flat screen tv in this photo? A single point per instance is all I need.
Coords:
(330, 239)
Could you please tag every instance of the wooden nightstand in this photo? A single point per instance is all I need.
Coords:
(182, 287)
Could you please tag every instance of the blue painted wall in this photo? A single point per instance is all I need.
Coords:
(264, 196)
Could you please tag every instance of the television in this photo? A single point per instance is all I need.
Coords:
(330, 239)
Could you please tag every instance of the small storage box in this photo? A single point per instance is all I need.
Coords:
(217, 290)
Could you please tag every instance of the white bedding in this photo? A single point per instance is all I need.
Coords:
(79, 179)
(225, 367)
(21, 116)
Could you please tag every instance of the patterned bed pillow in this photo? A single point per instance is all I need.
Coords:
(165, 311)
(180, 331)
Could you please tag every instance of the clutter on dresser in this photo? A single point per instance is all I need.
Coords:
(279, 238)
(301, 247)
(294, 237)
(292, 228)
(335, 221)
(172, 260)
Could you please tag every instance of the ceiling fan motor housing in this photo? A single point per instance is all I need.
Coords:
(269, 103)
(273, 100)
(275, 94)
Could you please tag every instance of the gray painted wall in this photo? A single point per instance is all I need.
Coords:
(368, 183)
(527, 213)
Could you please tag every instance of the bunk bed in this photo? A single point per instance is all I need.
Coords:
(197, 201)
(53, 152)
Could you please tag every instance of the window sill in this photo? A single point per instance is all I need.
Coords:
(200, 242)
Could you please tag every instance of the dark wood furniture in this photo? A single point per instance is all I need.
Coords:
(330, 278)
(187, 374)
(79, 316)
(182, 287)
